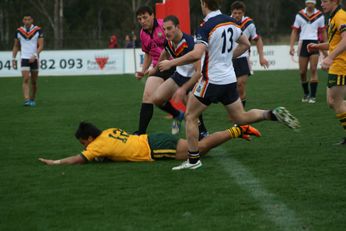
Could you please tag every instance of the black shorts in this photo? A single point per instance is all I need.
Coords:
(226, 94)
(241, 66)
(336, 80)
(165, 74)
(179, 79)
(26, 66)
(304, 48)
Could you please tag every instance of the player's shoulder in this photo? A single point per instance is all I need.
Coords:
(20, 29)
(220, 19)
(247, 19)
(188, 38)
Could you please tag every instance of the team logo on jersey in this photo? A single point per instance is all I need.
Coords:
(159, 34)
(101, 61)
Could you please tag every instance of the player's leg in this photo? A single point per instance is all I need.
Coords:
(147, 107)
(215, 139)
(25, 68)
(193, 111)
(230, 99)
(314, 77)
(303, 66)
(241, 86)
(336, 100)
(162, 96)
(242, 72)
(34, 77)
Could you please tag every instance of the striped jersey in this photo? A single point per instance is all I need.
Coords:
(309, 25)
(185, 45)
(248, 27)
(219, 34)
(28, 39)
(153, 42)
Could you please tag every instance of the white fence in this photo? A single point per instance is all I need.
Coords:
(121, 61)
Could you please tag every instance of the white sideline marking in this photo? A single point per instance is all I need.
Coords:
(274, 209)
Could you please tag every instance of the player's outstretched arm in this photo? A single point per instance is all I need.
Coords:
(77, 159)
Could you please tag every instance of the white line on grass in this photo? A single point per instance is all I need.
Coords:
(274, 209)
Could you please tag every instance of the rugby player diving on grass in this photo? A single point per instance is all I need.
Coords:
(114, 144)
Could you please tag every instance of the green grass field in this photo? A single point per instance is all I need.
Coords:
(281, 181)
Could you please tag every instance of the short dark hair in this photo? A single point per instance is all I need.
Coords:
(238, 5)
(144, 9)
(173, 19)
(213, 4)
(85, 130)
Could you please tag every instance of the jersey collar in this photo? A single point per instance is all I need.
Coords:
(335, 11)
(212, 14)
(28, 30)
(156, 24)
(306, 11)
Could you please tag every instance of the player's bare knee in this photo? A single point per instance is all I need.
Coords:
(158, 101)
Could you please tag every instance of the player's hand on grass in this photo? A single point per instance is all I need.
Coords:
(165, 65)
(48, 162)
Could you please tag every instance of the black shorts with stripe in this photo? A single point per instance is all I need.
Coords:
(27, 66)
(163, 145)
(241, 67)
(304, 49)
(336, 80)
(226, 94)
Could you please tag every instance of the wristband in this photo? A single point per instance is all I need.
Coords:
(35, 54)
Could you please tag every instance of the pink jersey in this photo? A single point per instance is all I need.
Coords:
(153, 43)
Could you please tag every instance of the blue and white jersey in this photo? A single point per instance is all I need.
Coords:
(28, 39)
(219, 33)
(185, 45)
(248, 27)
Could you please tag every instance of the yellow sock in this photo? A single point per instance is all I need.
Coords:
(342, 119)
(234, 132)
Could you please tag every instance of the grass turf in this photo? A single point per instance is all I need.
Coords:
(303, 171)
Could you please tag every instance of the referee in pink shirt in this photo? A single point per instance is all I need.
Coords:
(153, 39)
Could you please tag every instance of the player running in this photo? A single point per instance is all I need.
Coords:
(184, 78)
(216, 39)
(309, 21)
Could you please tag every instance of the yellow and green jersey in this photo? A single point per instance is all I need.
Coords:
(337, 25)
(117, 145)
